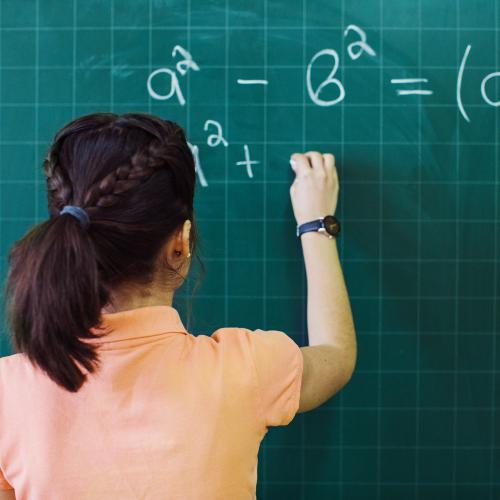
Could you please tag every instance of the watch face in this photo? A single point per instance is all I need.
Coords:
(332, 225)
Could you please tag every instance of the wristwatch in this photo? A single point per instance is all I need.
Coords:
(328, 225)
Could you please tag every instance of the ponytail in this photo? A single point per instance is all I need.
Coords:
(134, 176)
(54, 298)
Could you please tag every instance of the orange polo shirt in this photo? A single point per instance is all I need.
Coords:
(168, 415)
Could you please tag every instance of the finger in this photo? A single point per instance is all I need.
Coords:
(329, 164)
(316, 160)
(300, 164)
(329, 160)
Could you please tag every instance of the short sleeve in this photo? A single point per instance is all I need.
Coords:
(278, 364)
(4, 485)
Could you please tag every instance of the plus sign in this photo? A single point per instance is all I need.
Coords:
(247, 162)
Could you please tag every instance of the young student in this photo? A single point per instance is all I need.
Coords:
(108, 396)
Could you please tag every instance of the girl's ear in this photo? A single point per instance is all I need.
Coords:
(177, 247)
(186, 231)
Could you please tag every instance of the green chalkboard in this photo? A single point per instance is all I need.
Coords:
(406, 95)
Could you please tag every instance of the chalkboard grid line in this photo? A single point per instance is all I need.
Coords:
(457, 270)
(380, 246)
(226, 170)
(35, 124)
(73, 80)
(383, 483)
(259, 67)
(278, 104)
(402, 409)
(386, 447)
(247, 27)
(495, 281)
(112, 56)
(419, 255)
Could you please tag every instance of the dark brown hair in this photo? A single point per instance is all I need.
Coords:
(134, 174)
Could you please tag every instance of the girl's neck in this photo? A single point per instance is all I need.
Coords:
(132, 302)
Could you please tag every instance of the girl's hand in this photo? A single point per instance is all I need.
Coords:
(314, 192)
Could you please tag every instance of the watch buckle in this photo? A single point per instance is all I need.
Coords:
(323, 230)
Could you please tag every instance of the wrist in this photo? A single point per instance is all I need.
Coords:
(316, 236)
(328, 225)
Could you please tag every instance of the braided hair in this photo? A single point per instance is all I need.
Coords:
(134, 175)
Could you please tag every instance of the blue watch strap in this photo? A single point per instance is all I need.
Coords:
(312, 225)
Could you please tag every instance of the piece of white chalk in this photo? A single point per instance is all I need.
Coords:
(292, 163)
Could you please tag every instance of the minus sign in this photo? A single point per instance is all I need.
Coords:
(244, 82)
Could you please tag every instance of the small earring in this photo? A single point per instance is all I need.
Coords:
(189, 255)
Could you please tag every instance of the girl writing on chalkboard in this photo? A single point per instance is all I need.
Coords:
(109, 396)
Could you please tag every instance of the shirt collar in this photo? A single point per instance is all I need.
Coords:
(139, 322)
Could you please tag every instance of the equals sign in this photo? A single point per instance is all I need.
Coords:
(241, 81)
(405, 81)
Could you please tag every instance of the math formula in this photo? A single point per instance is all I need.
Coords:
(165, 83)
